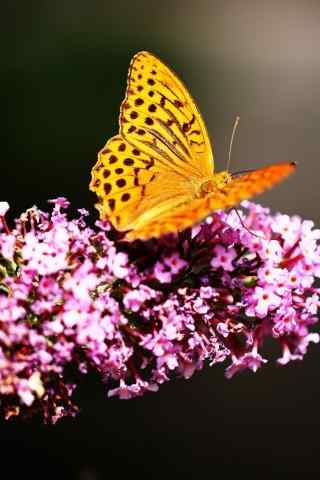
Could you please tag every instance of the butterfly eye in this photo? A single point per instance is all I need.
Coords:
(224, 177)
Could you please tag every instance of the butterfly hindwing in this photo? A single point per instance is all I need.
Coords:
(119, 178)
(130, 188)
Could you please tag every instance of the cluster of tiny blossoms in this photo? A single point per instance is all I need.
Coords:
(75, 299)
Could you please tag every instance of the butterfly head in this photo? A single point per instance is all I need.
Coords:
(222, 178)
(216, 182)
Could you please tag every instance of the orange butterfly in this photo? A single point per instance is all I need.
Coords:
(157, 176)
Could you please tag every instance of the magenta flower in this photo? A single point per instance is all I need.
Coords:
(75, 298)
(4, 207)
(252, 360)
(263, 301)
(223, 257)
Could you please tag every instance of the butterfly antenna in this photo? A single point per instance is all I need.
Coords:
(235, 126)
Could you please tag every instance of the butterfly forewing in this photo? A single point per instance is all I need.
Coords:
(188, 214)
(249, 184)
(159, 116)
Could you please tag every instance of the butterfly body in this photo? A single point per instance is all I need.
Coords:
(157, 175)
(216, 183)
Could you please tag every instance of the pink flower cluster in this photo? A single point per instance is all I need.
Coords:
(74, 298)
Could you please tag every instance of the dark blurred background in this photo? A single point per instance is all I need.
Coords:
(63, 74)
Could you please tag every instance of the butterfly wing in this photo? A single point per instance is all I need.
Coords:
(130, 187)
(187, 214)
(160, 118)
(162, 153)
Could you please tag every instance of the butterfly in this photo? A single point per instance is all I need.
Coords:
(157, 175)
